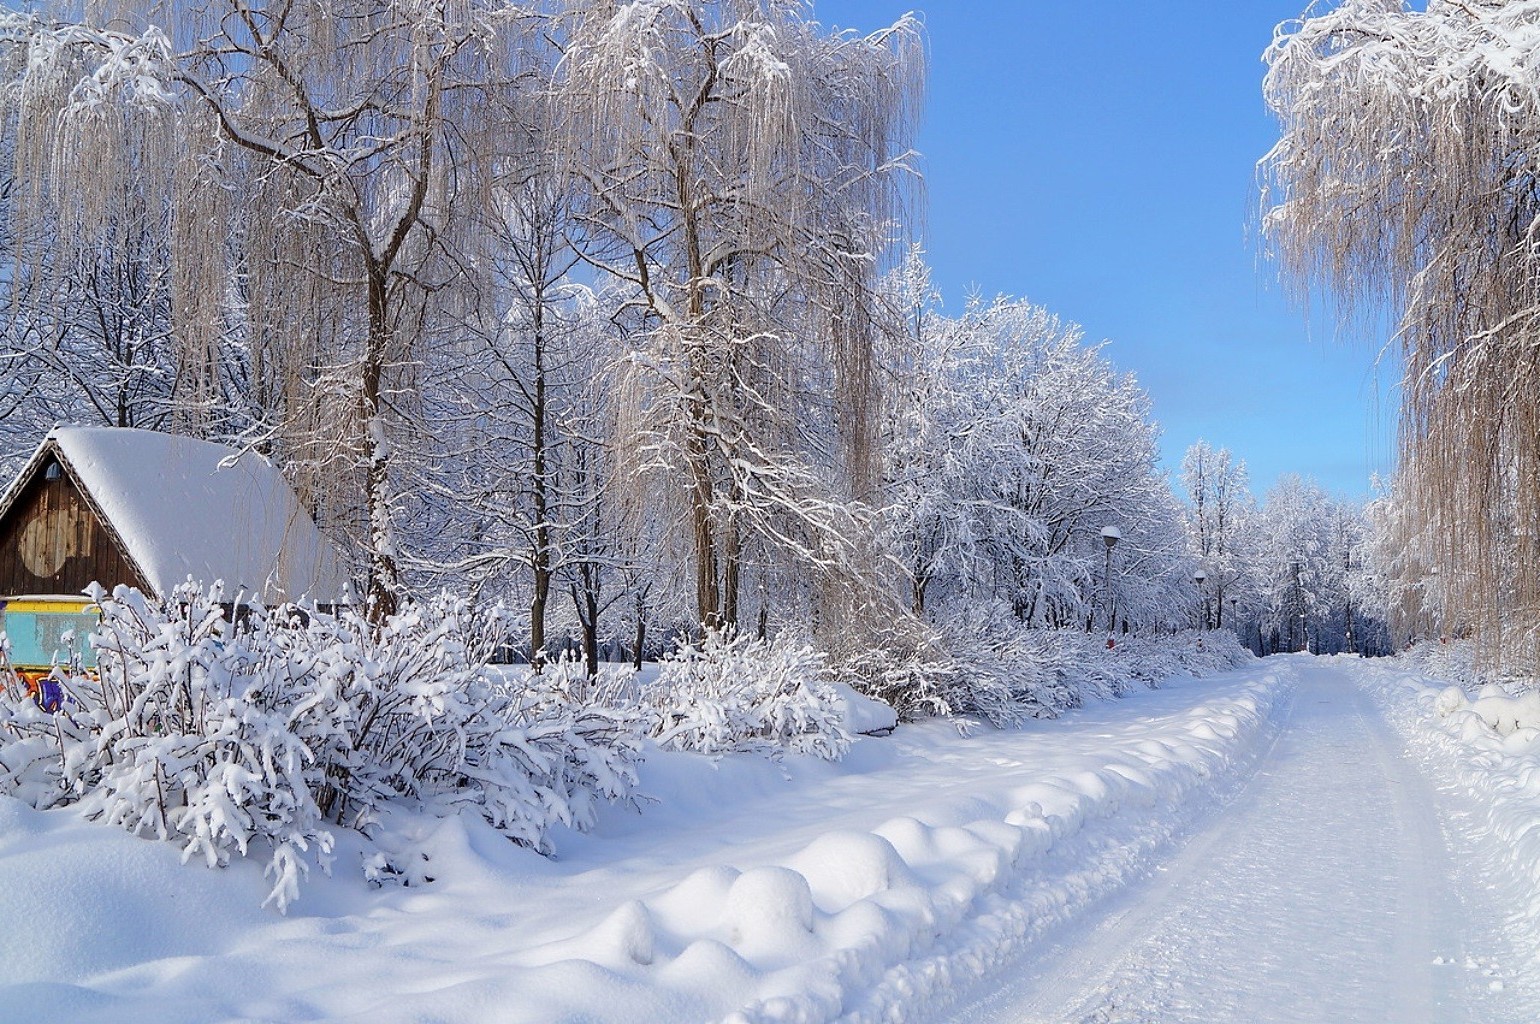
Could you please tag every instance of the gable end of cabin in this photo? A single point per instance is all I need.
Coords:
(52, 539)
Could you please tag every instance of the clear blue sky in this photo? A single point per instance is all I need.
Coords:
(1098, 158)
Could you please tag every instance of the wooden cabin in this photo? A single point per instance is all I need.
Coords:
(147, 509)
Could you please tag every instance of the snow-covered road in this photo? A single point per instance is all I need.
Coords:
(1335, 887)
(1263, 846)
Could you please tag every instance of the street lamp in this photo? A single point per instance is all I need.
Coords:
(1198, 578)
(1110, 537)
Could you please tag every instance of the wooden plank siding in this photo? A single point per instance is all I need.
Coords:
(52, 541)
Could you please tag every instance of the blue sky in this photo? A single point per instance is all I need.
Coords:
(1098, 158)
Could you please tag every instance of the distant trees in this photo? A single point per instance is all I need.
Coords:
(1220, 522)
(1405, 174)
(597, 309)
(1013, 445)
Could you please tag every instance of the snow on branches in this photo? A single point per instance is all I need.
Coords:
(266, 733)
(740, 693)
(1405, 173)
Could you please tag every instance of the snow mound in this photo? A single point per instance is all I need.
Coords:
(844, 867)
(1490, 746)
(1500, 712)
(863, 715)
(769, 911)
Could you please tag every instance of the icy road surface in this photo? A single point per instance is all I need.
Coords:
(1338, 886)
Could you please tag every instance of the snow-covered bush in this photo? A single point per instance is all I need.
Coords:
(1005, 673)
(917, 685)
(269, 732)
(1457, 661)
(739, 693)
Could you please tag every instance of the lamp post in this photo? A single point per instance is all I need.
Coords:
(1348, 567)
(1110, 537)
(1198, 579)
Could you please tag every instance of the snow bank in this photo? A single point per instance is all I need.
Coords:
(1489, 745)
(870, 924)
(874, 889)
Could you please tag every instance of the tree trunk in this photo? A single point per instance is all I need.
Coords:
(591, 634)
(641, 627)
(384, 581)
(540, 557)
(732, 571)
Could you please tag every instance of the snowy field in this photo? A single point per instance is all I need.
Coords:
(1266, 845)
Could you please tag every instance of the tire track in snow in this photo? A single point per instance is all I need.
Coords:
(1324, 893)
(1073, 877)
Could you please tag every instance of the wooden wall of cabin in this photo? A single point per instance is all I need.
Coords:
(52, 543)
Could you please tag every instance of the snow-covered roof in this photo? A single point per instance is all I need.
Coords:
(184, 507)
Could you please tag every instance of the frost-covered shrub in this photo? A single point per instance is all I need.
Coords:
(919, 684)
(268, 733)
(181, 736)
(1458, 661)
(408, 712)
(739, 693)
(1003, 672)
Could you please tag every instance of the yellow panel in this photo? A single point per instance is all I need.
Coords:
(46, 606)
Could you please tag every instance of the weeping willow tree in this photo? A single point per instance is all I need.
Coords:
(1408, 174)
(747, 171)
(312, 159)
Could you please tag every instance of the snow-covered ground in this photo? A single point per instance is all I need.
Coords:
(1340, 885)
(1257, 846)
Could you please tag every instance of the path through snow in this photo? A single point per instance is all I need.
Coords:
(1257, 847)
(1327, 891)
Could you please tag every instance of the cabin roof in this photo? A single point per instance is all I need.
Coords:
(182, 507)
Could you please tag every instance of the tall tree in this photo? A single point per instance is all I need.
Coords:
(355, 133)
(1406, 174)
(746, 171)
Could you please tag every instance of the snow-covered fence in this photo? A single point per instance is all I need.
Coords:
(268, 733)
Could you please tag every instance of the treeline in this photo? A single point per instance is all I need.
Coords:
(605, 311)
(1300, 571)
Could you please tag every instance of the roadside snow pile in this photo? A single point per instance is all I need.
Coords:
(1490, 746)
(874, 889)
(870, 924)
(258, 739)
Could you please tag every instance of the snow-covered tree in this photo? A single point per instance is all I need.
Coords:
(746, 172)
(1405, 175)
(1014, 445)
(1219, 529)
(354, 135)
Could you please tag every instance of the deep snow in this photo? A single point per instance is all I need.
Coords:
(1253, 847)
